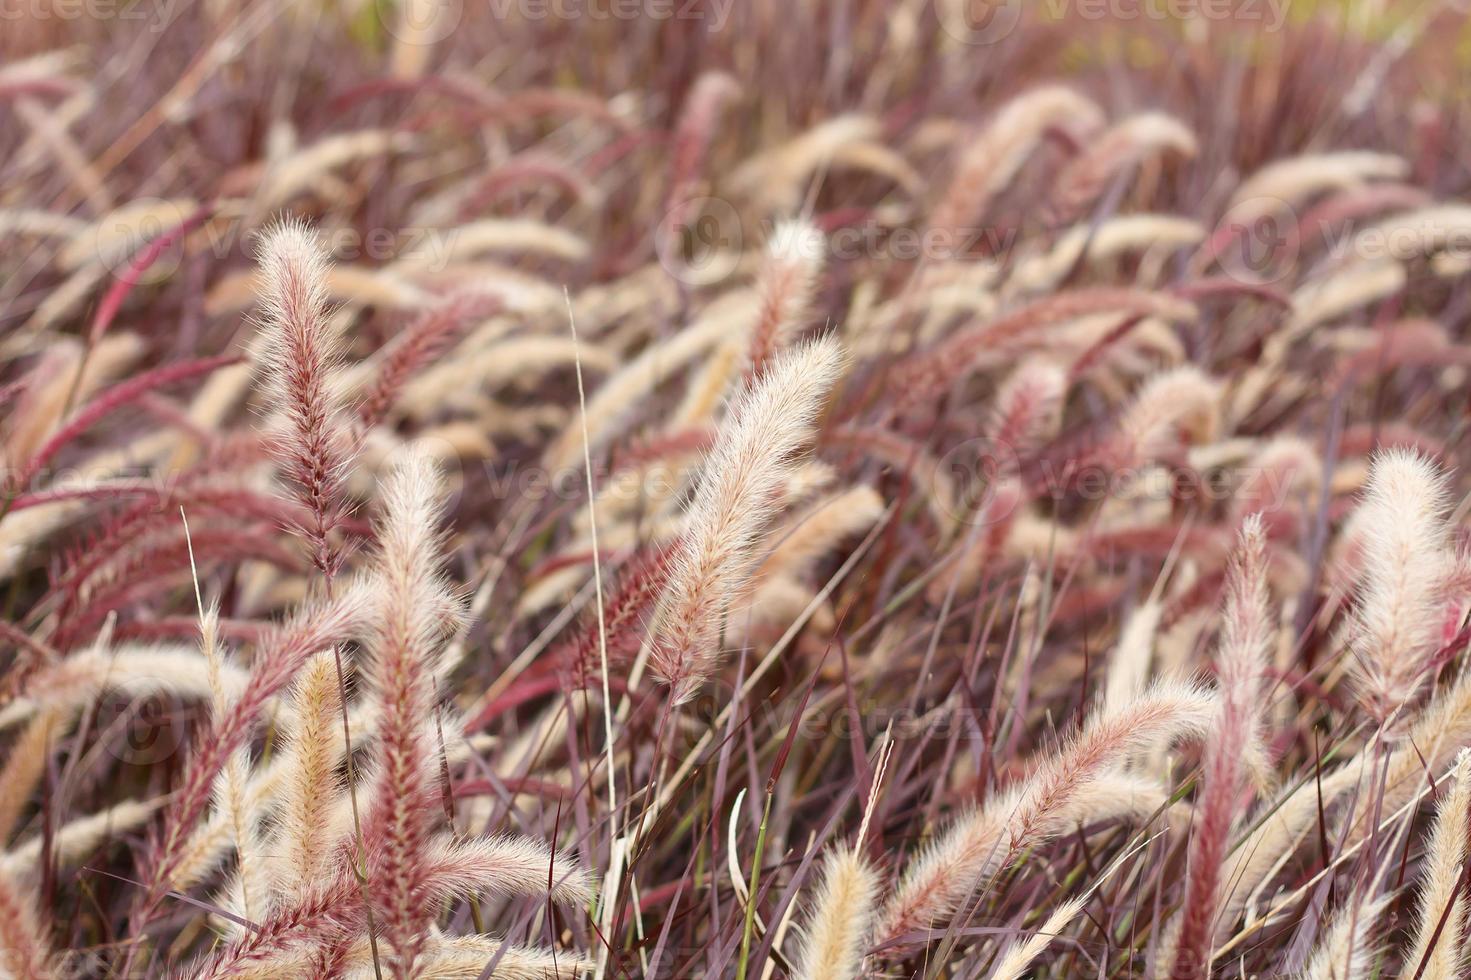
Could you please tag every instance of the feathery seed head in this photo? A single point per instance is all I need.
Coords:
(1441, 926)
(301, 354)
(1029, 405)
(1173, 406)
(758, 441)
(1406, 559)
(404, 654)
(835, 940)
(959, 862)
(788, 276)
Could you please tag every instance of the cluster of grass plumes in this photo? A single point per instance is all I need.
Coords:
(810, 491)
